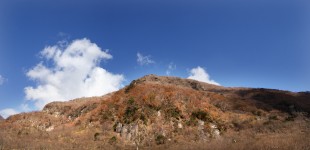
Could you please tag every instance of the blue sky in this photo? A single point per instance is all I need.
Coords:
(258, 43)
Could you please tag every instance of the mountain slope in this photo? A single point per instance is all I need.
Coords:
(167, 112)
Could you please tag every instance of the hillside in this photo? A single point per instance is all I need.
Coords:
(156, 112)
(1, 118)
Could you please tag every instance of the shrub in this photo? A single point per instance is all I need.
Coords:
(154, 107)
(290, 118)
(160, 139)
(202, 115)
(131, 101)
(112, 140)
(130, 114)
(96, 136)
(192, 121)
(105, 115)
(273, 117)
(143, 118)
(238, 125)
(221, 125)
(173, 112)
(257, 112)
(130, 111)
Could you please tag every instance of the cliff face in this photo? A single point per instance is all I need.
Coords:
(167, 112)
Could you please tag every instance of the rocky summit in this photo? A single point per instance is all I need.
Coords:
(158, 112)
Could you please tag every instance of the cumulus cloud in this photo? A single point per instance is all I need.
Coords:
(200, 74)
(171, 68)
(2, 79)
(144, 60)
(8, 112)
(73, 72)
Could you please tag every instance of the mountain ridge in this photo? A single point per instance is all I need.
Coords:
(155, 112)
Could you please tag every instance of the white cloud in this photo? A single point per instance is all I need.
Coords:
(8, 112)
(75, 72)
(171, 68)
(2, 79)
(144, 60)
(200, 74)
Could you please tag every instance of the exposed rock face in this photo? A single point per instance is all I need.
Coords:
(49, 129)
(215, 132)
(180, 126)
(119, 128)
(155, 110)
(129, 132)
(203, 135)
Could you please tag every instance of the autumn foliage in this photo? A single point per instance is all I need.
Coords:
(166, 112)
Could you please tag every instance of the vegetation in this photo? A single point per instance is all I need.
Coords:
(130, 86)
(96, 136)
(112, 140)
(172, 113)
(166, 113)
(131, 112)
(202, 115)
(160, 139)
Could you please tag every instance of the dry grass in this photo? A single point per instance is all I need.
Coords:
(246, 118)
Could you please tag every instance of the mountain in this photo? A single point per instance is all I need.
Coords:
(157, 112)
(1, 118)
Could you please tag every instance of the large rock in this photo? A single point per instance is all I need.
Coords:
(215, 132)
(128, 131)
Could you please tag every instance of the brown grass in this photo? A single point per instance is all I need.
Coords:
(246, 118)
